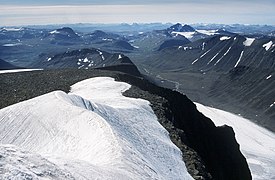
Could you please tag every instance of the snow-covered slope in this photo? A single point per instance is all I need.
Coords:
(92, 132)
(19, 164)
(256, 143)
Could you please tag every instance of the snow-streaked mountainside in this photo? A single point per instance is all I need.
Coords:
(256, 143)
(92, 132)
(194, 34)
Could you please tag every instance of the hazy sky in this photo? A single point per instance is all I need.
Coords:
(29, 12)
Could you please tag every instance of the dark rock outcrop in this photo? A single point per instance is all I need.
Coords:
(123, 44)
(65, 32)
(64, 37)
(99, 33)
(181, 28)
(216, 146)
(125, 65)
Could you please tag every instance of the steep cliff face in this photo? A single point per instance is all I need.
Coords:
(216, 146)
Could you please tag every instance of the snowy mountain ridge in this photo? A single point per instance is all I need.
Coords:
(92, 132)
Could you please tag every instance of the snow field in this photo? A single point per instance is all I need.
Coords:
(92, 132)
(188, 35)
(248, 42)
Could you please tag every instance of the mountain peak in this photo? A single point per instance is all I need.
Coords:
(187, 28)
(100, 33)
(175, 27)
(181, 28)
(65, 31)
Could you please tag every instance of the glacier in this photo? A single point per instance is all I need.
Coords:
(93, 132)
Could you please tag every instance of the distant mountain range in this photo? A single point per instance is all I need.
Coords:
(231, 67)
(218, 56)
(221, 53)
(24, 46)
(229, 70)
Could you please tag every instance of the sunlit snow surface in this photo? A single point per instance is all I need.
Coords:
(11, 45)
(248, 41)
(188, 35)
(240, 58)
(268, 45)
(91, 133)
(208, 32)
(18, 70)
(256, 143)
(223, 38)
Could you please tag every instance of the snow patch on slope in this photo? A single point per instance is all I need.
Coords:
(12, 45)
(18, 70)
(12, 29)
(213, 58)
(119, 56)
(200, 56)
(208, 32)
(268, 77)
(86, 60)
(248, 42)
(195, 61)
(256, 143)
(268, 45)
(223, 56)
(54, 32)
(241, 55)
(188, 35)
(223, 38)
(203, 46)
(94, 132)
